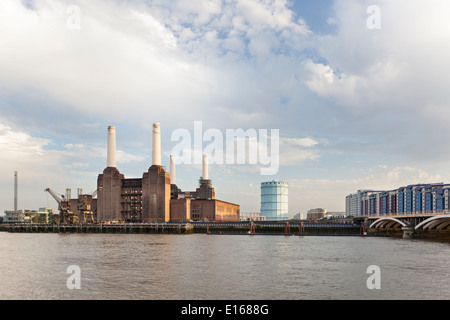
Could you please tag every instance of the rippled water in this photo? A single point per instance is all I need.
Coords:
(213, 267)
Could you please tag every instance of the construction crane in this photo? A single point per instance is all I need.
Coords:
(65, 215)
(84, 206)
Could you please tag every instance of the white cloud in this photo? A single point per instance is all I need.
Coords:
(168, 60)
(324, 81)
(155, 30)
(20, 151)
(302, 142)
(99, 69)
(403, 66)
(296, 151)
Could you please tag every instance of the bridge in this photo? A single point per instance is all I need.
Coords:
(410, 224)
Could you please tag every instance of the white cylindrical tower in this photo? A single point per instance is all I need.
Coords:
(111, 153)
(156, 146)
(205, 167)
(173, 176)
(274, 200)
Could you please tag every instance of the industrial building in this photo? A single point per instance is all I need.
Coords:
(274, 200)
(155, 197)
(418, 198)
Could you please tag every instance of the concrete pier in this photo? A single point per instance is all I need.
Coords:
(408, 232)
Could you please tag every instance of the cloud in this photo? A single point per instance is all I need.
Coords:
(301, 142)
(326, 82)
(386, 86)
(20, 151)
(99, 69)
(296, 151)
(122, 157)
(393, 69)
(168, 60)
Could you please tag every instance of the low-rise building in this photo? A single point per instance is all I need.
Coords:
(252, 216)
(314, 214)
(43, 215)
(335, 215)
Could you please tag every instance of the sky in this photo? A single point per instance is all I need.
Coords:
(358, 91)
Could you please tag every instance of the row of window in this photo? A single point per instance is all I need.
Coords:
(418, 205)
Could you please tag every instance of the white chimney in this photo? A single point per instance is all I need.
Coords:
(156, 148)
(111, 155)
(173, 175)
(205, 167)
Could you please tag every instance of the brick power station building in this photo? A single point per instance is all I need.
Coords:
(155, 197)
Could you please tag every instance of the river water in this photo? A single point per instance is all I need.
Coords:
(220, 267)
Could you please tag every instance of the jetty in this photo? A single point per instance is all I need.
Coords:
(225, 228)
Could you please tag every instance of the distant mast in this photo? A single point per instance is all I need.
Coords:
(15, 190)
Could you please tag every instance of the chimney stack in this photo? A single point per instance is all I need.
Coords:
(156, 148)
(173, 176)
(111, 155)
(15, 190)
(205, 167)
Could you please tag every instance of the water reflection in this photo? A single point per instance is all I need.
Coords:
(188, 267)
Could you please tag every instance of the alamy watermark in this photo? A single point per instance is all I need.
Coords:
(74, 280)
(236, 146)
(374, 20)
(374, 280)
(73, 21)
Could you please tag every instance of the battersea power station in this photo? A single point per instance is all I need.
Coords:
(155, 197)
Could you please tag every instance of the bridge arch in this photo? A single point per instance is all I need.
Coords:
(438, 223)
(387, 223)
